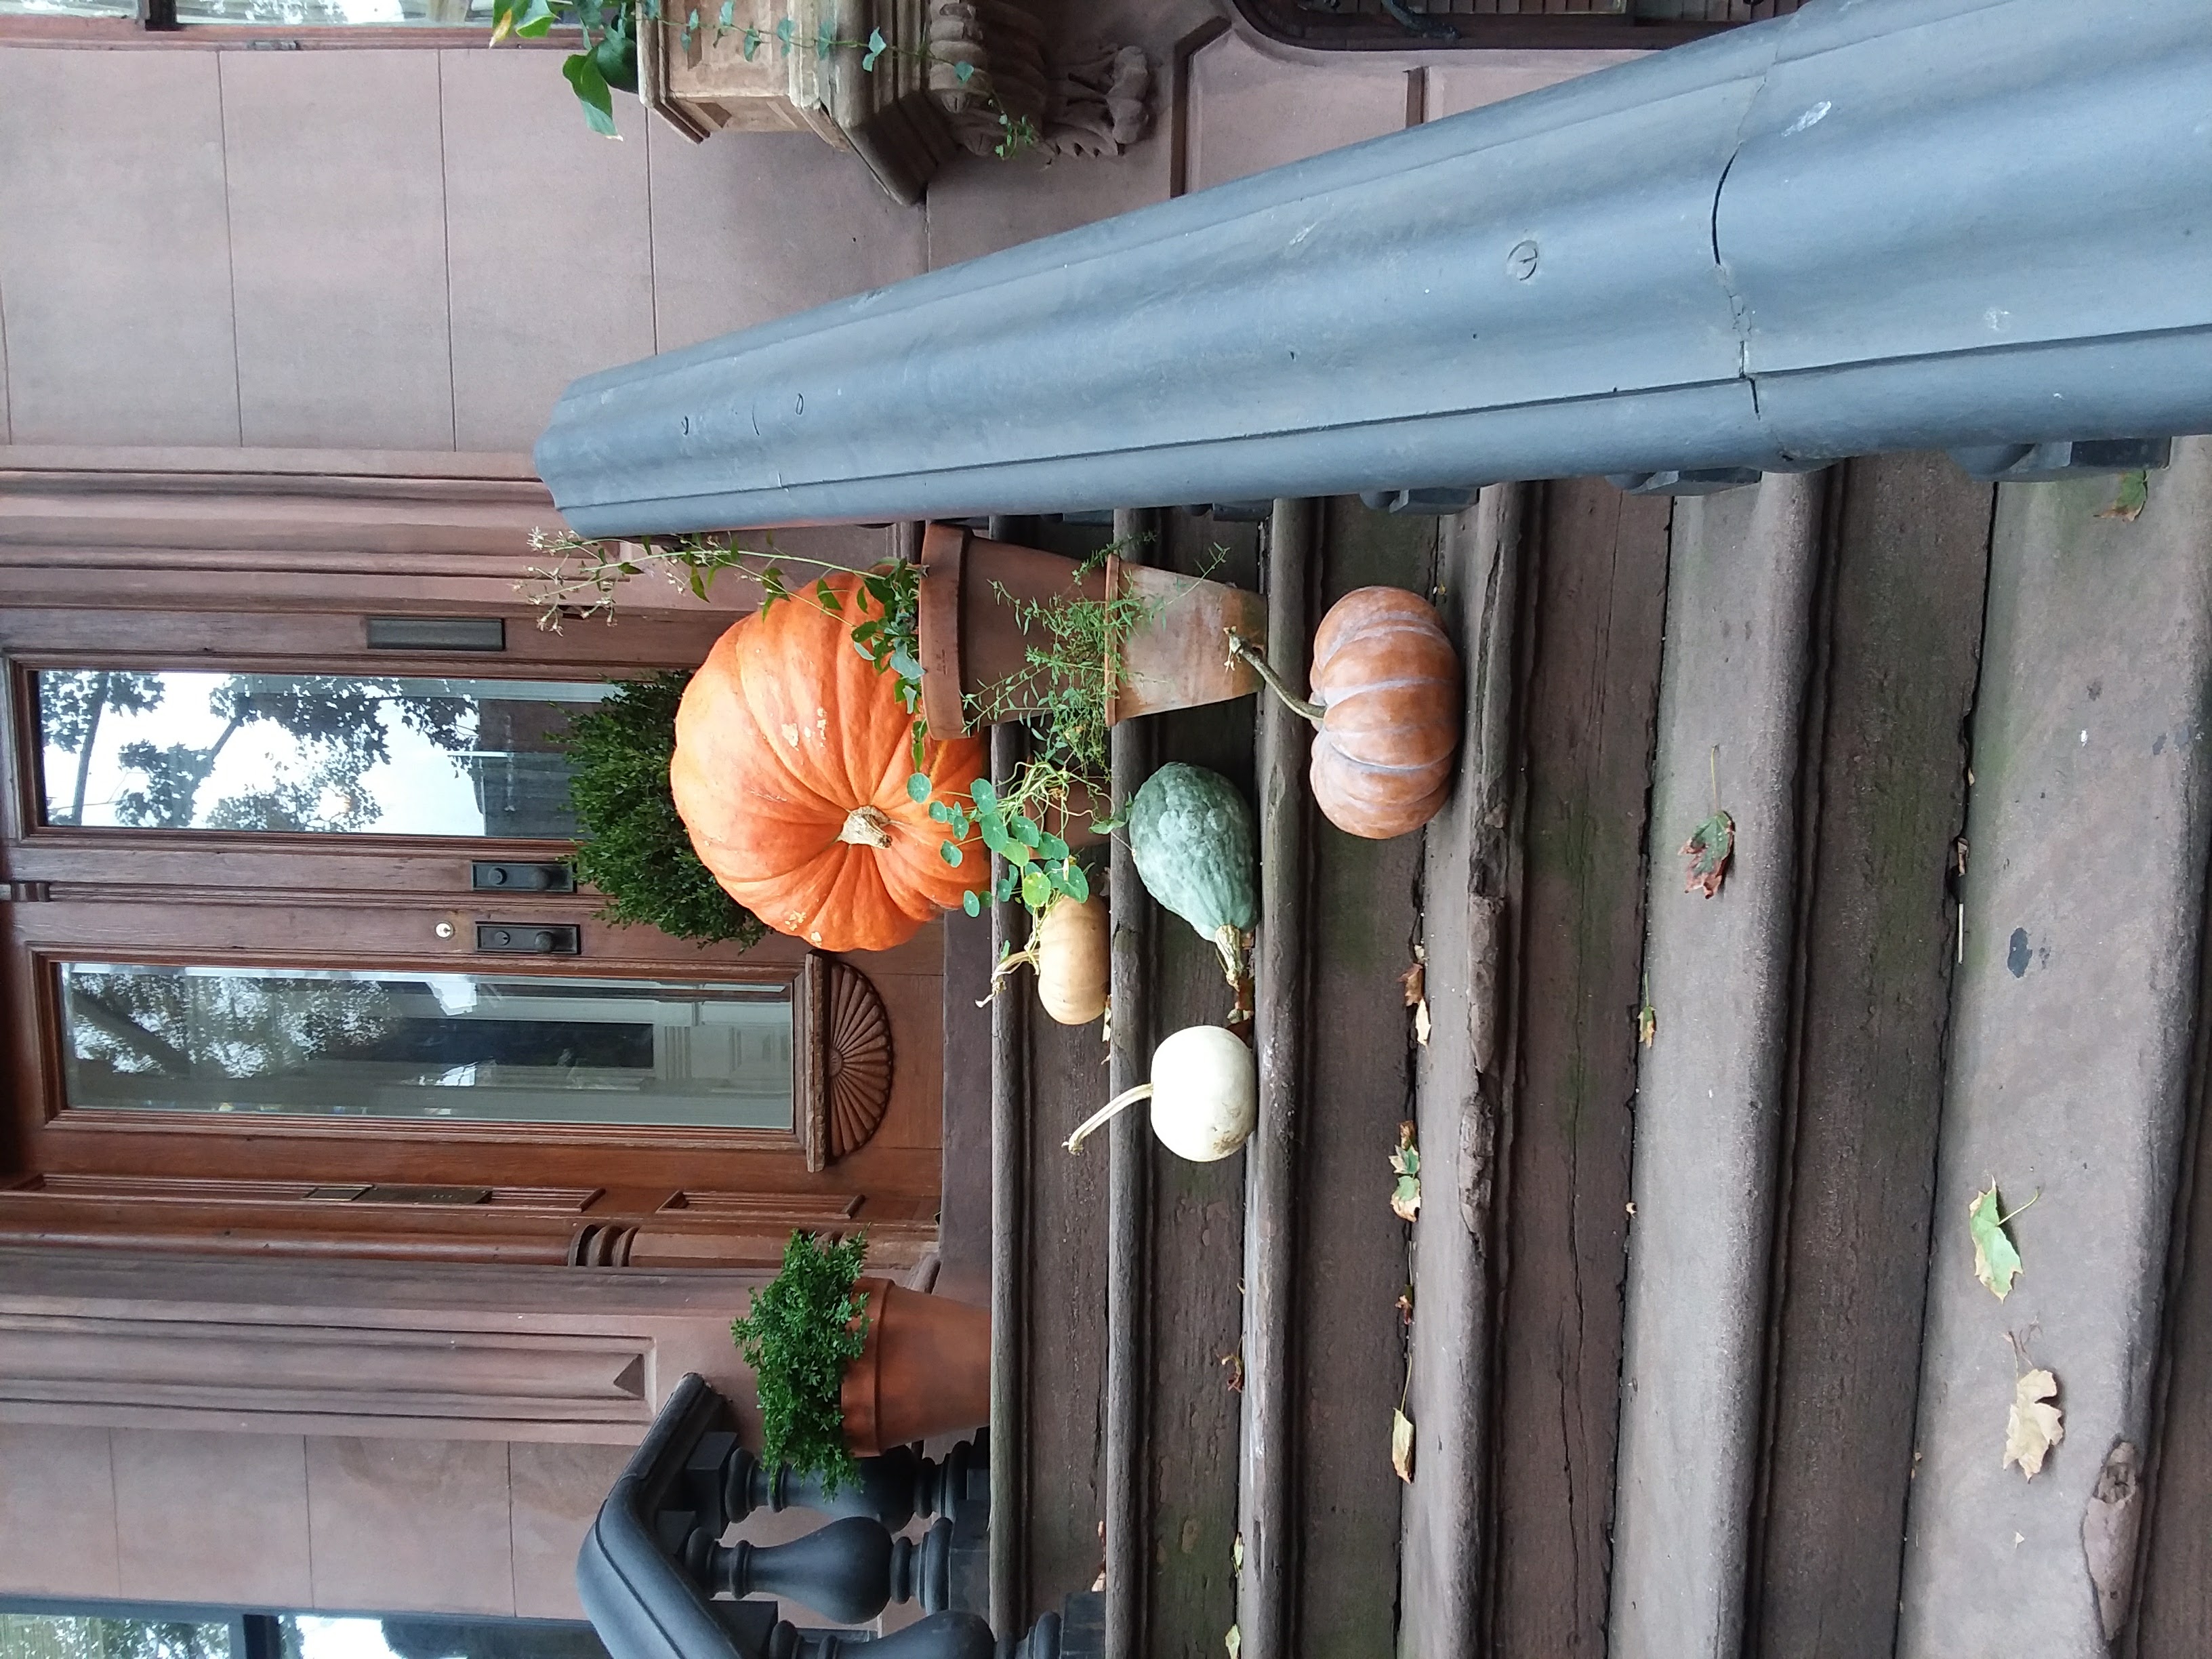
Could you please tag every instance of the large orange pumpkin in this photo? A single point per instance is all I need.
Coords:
(793, 754)
(1387, 681)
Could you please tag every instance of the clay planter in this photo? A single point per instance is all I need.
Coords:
(926, 1371)
(970, 641)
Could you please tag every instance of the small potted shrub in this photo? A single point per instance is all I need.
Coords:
(848, 1366)
(633, 848)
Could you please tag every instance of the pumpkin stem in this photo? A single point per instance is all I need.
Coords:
(866, 826)
(1243, 650)
(1127, 1097)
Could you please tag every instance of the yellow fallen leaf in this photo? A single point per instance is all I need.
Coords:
(1237, 1553)
(2034, 1425)
(1234, 1642)
(1401, 1445)
(1421, 1026)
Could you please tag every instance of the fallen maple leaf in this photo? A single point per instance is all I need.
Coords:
(2129, 498)
(1401, 1445)
(2034, 1426)
(1708, 848)
(1997, 1262)
(1406, 1162)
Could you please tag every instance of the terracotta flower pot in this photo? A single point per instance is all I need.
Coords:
(971, 641)
(926, 1371)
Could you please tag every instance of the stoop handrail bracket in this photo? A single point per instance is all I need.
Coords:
(1873, 225)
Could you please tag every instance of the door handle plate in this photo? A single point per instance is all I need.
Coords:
(530, 939)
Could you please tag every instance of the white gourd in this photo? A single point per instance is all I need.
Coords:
(1205, 1093)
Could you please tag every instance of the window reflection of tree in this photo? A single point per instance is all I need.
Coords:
(169, 1023)
(337, 721)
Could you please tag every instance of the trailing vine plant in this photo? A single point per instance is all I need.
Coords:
(608, 62)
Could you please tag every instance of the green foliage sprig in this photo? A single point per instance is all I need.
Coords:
(798, 1336)
(608, 62)
(634, 847)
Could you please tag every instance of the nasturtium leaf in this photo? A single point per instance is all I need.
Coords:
(2129, 498)
(971, 903)
(2033, 1426)
(1406, 1164)
(950, 851)
(1036, 887)
(1051, 846)
(941, 813)
(1708, 848)
(1401, 1445)
(1996, 1263)
(1078, 884)
(1025, 832)
(917, 787)
(983, 795)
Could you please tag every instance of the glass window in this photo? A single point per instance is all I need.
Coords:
(69, 7)
(335, 753)
(50, 1636)
(322, 14)
(380, 1043)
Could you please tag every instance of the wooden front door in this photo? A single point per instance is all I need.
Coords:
(294, 963)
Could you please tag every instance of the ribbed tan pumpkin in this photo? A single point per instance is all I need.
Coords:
(1387, 681)
(790, 771)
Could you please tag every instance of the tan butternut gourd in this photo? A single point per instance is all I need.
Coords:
(1070, 949)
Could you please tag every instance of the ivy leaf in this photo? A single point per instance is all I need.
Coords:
(786, 32)
(753, 38)
(1997, 1262)
(1406, 1164)
(728, 18)
(825, 41)
(2034, 1425)
(2129, 498)
(876, 47)
(1708, 848)
(963, 73)
(1401, 1445)
(592, 93)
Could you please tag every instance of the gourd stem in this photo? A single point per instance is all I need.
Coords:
(1244, 651)
(1127, 1096)
(865, 826)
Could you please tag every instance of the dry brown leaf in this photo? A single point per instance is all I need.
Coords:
(2129, 497)
(1234, 1363)
(1414, 979)
(1406, 1307)
(1401, 1445)
(2034, 1425)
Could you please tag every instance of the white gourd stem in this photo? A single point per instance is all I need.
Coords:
(1127, 1097)
(1243, 650)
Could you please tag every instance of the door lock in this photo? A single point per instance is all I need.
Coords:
(503, 877)
(520, 939)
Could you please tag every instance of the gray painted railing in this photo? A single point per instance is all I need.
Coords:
(1874, 225)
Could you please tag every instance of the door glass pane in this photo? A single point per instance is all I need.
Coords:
(175, 749)
(68, 8)
(380, 1043)
(313, 1636)
(49, 1636)
(321, 13)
